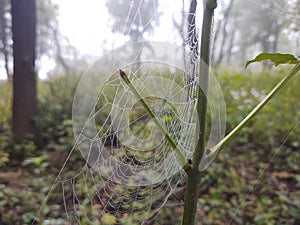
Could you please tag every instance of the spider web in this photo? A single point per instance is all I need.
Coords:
(278, 7)
(128, 169)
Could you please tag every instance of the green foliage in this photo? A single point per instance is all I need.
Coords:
(108, 219)
(250, 190)
(5, 106)
(22, 149)
(242, 92)
(55, 112)
(258, 186)
(276, 58)
(4, 158)
(5, 118)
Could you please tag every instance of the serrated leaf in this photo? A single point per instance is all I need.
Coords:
(276, 58)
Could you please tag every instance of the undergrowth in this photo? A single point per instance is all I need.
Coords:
(261, 184)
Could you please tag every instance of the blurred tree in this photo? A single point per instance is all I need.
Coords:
(180, 25)
(24, 78)
(222, 26)
(294, 25)
(133, 17)
(225, 31)
(50, 42)
(5, 33)
(246, 27)
(266, 24)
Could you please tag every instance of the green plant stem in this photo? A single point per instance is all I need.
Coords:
(180, 156)
(194, 175)
(279, 86)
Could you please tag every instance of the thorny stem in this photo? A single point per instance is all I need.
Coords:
(184, 163)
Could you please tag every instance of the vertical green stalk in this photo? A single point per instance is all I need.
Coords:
(194, 175)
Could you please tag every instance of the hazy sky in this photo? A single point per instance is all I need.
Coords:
(86, 24)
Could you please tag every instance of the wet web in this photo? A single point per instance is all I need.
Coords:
(127, 169)
(282, 8)
(130, 169)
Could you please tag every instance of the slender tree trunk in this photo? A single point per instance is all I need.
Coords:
(59, 55)
(224, 32)
(215, 39)
(276, 33)
(4, 38)
(24, 76)
(6, 59)
(231, 41)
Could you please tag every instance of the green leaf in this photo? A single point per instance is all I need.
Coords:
(276, 58)
(108, 219)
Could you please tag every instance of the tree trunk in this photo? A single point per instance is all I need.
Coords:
(224, 32)
(276, 33)
(4, 36)
(215, 40)
(231, 41)
(59, 56)
(24, 76)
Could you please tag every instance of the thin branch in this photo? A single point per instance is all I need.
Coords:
(185, 164)
(216, 149)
